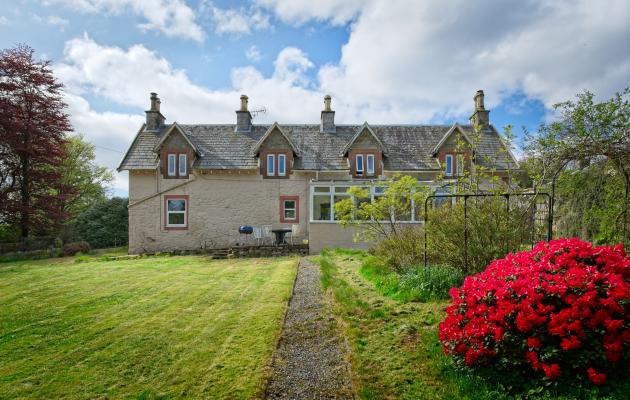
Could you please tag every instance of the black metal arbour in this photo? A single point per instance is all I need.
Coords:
(506, 196)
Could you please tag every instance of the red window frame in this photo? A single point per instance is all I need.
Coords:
(288, 160)
(297, 209)
(176, 153)
(176, 197)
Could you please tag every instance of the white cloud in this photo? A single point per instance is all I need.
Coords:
(172, 17)
(53, 20)
(4, 20)
(337, 12)
(417, 60)
(404, 62)
(253, 54)
(127, 76)
(236, 21)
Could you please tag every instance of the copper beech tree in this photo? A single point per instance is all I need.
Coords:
(33, 128)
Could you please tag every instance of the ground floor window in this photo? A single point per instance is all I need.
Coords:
(289, 209)
(176, 212)
(324, 197)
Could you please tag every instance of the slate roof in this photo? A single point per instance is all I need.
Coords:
(409, 147)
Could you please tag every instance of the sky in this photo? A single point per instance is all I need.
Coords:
(382, 61)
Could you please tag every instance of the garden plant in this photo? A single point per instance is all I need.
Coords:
(557, 312)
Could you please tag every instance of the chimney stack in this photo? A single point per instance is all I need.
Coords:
(328, 117)
(481, 116)
(243, 117)
(155, 119)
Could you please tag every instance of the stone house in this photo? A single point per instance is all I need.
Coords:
(192, 186)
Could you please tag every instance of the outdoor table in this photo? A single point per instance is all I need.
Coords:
(280, 234)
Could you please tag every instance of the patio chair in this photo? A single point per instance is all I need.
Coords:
(258, 235)
(295, 231)
(266, 230)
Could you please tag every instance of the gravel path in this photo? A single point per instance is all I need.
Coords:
(309, 362)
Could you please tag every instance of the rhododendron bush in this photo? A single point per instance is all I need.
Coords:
(559, 310)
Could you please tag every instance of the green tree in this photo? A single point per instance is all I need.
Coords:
(588, 135)
(105, 224)
(84, 181)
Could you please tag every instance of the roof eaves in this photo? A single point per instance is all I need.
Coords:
(356, 136)
(135, 139)
(256, 148)
(448, 133)
(167, 134)
(516, 163)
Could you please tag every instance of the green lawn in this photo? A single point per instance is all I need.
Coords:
(164, 327)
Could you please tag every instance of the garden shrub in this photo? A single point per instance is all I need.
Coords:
(70, 249)
(493, 232)
(557, 311)
(403, 249)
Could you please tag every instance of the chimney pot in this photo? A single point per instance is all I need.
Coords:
(328, 117)
(243, 117)
(155, 120)
(481, 116)
(327, 100)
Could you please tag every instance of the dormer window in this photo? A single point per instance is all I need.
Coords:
(359, 165)
(370, 164)
(175, 164)
(364, 163)
(282, 160)
(275, 163)
(171, 164)
(271, 164)
(460, 164)
(448, 161)
(183, 165)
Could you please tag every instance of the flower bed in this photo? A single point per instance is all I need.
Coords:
(559, 310)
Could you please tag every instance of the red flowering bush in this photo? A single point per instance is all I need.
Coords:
(559, 310)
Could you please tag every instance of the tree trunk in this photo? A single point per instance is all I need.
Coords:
(24, 192)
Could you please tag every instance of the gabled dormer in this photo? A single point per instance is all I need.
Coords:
(176, 153)
(454, 152)
(364, 153)
(275, 152)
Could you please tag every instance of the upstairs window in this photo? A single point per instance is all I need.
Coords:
(448, 161)
(359, 165)
(171, 164)
(460, 164)
(282, 158)
(275, 163)
(183, 166)
(271, 164)
(366, 163)
(370, 164)
(176, 164)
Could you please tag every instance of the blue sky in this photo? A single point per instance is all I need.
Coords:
(382, 61)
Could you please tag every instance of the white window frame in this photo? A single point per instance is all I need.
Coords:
(285, 208)
(271, 166)
(370, 172)
(460, 164)
(358, 166)
(182, 162)
(282, 161)
(171, 161)
(448, 171)
(375, 191)
(185, 212)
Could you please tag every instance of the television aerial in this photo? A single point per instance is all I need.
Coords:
(257, 111)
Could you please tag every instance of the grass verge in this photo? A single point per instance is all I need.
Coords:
(169, 327)
(396, 351)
